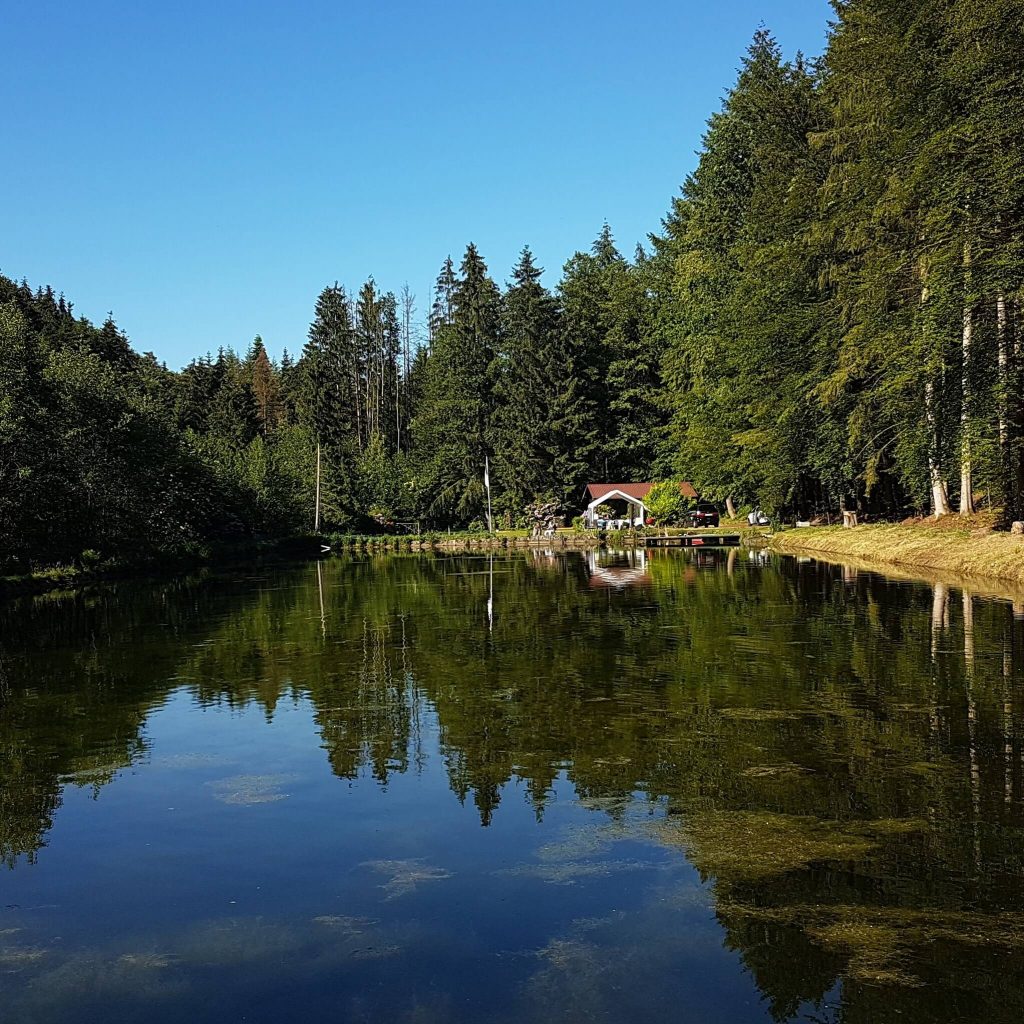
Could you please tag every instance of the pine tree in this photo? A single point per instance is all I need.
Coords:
(528, 380)
(452, 424)
(634, 374)
(896, 310)
(290, 388)
(233, 414)
(330, 402)
(265, 386)
(738, 281)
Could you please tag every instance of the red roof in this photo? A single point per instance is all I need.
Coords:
(636, 491)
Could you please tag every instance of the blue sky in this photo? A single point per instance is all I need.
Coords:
(204, 169)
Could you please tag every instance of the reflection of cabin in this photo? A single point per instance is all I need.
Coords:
(629, 497)
(617, 570)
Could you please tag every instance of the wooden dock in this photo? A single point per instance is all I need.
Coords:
(691, 540)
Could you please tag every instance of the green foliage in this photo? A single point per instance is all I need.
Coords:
(529, 378)
(452, 423)
(666, 503)
(382, 486)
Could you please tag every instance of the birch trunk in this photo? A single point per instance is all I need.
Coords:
(940, 494)
(966, 471)
(936, 481)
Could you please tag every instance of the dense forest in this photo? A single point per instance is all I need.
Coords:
(828, 316)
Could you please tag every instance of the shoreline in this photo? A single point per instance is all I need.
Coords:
(982, 560)
(286, 549)
(310, 547)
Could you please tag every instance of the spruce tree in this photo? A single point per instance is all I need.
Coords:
(452, 424)
(528, 380)
(329, 404)
(265, 386)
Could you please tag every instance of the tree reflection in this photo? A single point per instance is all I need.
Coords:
(839, 754)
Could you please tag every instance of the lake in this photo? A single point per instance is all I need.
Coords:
(688, 786)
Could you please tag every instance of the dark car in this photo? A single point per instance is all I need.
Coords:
(704, 515)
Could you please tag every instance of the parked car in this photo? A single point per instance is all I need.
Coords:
(704, 515)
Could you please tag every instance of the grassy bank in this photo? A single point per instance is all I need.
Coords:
(947, 546)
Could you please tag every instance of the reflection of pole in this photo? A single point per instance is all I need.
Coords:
(316, 517)
(320, 588)
(490, 595)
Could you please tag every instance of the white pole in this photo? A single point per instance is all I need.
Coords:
(316, 515)
(487, 483)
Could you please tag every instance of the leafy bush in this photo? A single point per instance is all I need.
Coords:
(667, 503)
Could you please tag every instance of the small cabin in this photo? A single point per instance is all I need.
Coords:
(629, 498)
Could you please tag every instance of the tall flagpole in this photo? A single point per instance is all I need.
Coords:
(487, 484)
(316, 516)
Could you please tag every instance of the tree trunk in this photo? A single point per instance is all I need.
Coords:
(1011, 408)
(1004, 375)
(730, 508)
(936, 481)
(966, 471)
(940, 494)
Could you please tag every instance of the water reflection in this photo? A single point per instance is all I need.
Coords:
(837, 755)
(618, 569)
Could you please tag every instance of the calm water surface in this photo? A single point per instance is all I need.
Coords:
(708, 787)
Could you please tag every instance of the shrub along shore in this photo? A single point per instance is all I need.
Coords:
(942, 546)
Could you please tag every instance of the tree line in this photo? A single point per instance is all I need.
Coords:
(828, 316)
